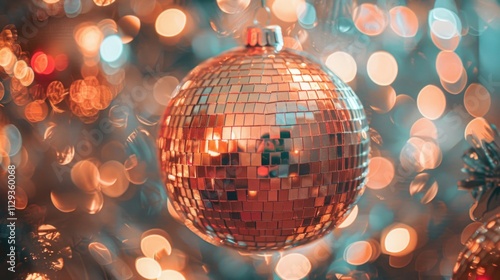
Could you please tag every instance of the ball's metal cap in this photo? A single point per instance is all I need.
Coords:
(268, 36)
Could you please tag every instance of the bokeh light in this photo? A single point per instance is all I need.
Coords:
(369, 19)
(431, 102)
(383, 99)
(104, 3)
(382, 68)
(306, 14)
(444, 23)
(164, 88)
(343, 65)
(478, 130)
(171, 275)
(293, 266)
(286, 10)
(233, 6)
(148, 268)
(424, 128)
(42, 63)
(477, 100)
(419, 154)
(153, 244)
(36, 111)
(380, 173)
(170, 22)
(89, 38)
(128, 28)
(403, 21)
(449, 66)
(399, 240)
(111, 48)
(358, 253)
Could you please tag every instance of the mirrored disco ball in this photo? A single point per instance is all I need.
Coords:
(262, 148)
(480, 259)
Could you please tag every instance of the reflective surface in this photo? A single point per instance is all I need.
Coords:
(481, 256)
(263, 150)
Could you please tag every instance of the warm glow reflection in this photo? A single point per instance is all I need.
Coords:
(477, 100)
(431, 102)
(369, 19)
(171, 275)
(293, 266)
(153, 244)
(148, 268)
(382, 68)
(343, 65)
(449, 66)
(170, 22)
(358, 253)
(380, 173)
(350, 218)
(404, 22)
(286, 10)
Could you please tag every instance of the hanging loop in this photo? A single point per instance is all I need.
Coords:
(263, 9)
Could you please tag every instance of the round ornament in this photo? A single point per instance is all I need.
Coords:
(262, 148)
(480, 259)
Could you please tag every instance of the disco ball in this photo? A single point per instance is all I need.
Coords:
(480, 259)
(262, 148)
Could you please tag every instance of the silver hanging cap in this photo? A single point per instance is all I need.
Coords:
(268, 36)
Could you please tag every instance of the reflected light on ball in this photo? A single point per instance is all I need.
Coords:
(350, 218)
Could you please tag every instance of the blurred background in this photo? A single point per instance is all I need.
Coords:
(85, 82)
